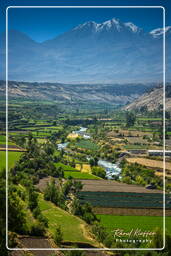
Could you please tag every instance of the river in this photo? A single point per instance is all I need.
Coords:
(110, 168)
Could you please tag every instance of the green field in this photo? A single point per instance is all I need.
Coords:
(65, 167)
(87, 144)
(3, 141)
(134, 146)
(12, 158)
(127, 223)
(72, 227)
(80, 175)
(123, 199)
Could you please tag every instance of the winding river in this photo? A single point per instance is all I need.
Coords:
(110, 168)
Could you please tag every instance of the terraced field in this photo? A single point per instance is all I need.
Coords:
(73, 228)
(114, 186)
(149, 162)
(87, 145)
(80, 175)
(127, 223)
(65, 167)
(124, 200)
(12, 158)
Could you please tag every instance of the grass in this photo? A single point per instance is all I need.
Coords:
(133, 146)
(3, 141)
(12, 158)
(65, 167)
(87, 144)
(127, 223)
(80, 175)
(2, 138)
(71, 225)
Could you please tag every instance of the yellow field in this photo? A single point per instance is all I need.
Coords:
(149, 162)
(83, 168)
(160, 174)
(72, 136)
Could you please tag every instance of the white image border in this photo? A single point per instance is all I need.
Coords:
(164, 68)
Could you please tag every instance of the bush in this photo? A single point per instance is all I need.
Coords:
(38, 229)
(99, 171)
(58, 236)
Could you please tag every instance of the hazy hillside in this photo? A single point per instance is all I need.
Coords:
(109, 52)
(152, 99)
(101, 93)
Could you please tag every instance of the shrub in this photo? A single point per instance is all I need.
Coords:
(58, 236)
(37, 229)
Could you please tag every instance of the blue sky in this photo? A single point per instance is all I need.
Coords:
(43, 24)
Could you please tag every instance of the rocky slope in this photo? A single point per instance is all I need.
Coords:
(152, 99)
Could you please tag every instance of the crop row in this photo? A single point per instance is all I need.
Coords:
(128, 200)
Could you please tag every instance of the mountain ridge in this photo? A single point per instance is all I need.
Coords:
(117, 53)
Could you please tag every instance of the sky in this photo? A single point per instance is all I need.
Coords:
(43, 24)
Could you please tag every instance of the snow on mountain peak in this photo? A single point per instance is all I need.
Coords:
(114, 24)
(131, 26)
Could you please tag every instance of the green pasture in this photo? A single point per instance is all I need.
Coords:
(13, 157)
(71, 226)
(80, 175)
(87, 144)
(134, 146)
(65, 167)
(145, 223)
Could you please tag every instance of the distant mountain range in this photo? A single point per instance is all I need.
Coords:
(110, 52)
(110, 94)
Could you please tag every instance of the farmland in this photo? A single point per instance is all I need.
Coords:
(63, 145)
(65, 167)
(149, 163)
(87, 145)
(80, 175)
(73, 228)
(13, 157)
(125, 200)
(114, 186)
(127, 223)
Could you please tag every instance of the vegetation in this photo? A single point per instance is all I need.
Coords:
(123, 199)
(63, 212)
(112, 222)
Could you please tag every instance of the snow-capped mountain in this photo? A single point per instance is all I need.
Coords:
(111, 51)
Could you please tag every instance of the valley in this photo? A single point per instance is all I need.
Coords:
(81, 163)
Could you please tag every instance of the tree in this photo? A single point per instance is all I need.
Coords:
(58, 236)
(16, 213)
(99, 171)
(130, 119)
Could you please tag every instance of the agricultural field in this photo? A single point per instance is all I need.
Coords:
(124, 200)
(83, 168)
(127, 223)
(65, 167)
(87, 145)
(149, 162)
(13, 157)
(80, 175)
(73, 228)
(134, 146)
(3, 142)
(115, 186)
